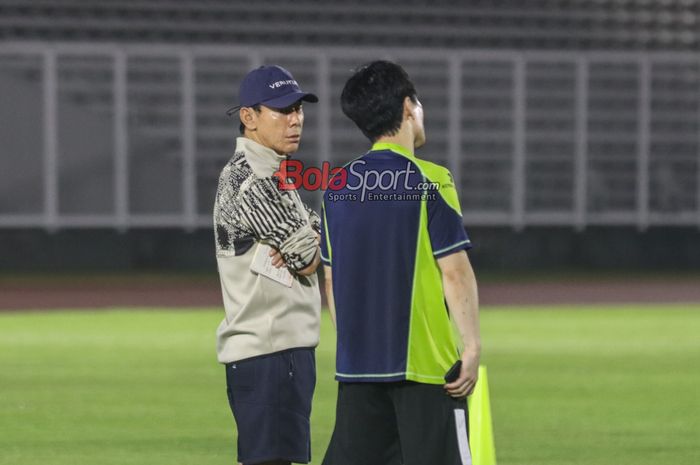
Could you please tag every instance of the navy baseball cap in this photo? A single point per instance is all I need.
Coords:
(272, 86)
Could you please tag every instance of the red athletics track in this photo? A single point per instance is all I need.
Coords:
(203, 291)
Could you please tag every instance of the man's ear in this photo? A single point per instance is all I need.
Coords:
(408, 108)
(248, 118)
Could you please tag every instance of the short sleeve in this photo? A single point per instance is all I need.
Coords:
(445, 226)
(326, 256)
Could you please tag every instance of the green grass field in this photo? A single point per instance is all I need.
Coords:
(569, 386)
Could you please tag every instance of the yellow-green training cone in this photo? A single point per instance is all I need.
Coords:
(480, 426)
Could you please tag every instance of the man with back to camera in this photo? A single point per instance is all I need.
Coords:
(394, 254)
(271, 327)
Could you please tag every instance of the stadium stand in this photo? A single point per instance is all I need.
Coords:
(589, 114)
(511, 24)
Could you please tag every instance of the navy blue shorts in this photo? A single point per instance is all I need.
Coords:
(270, 397)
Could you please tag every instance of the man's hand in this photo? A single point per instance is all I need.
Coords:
(468, 375)
(277, 260)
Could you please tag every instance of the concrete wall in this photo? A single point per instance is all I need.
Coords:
(496, 250)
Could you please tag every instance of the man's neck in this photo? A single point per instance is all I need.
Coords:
(403, 138)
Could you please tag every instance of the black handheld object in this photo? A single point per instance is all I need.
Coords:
(453, 373)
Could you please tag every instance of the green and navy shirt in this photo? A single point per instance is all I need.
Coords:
(384, 227)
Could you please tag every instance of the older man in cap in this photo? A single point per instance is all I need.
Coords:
(267, 254)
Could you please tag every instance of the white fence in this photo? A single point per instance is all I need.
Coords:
(134, 136)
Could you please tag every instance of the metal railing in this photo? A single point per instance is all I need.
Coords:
(130, 136)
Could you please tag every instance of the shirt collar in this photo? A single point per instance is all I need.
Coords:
(400, 149)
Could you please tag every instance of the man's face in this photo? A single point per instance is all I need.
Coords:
(279, 129)
(418, 128)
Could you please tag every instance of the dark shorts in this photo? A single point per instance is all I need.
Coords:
(270, 397)
(402, 423)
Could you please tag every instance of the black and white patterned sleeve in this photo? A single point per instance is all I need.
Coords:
(314, 219)
(276, 220)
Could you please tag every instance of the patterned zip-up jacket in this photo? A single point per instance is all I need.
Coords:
(262, 315)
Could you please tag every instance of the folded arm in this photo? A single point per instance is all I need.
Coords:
(275, 219)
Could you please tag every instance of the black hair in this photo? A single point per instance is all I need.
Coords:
(373, 98)
(241, 126)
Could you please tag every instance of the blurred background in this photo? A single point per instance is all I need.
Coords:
(571, 127)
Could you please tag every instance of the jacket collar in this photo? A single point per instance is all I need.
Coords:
(263, 160)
